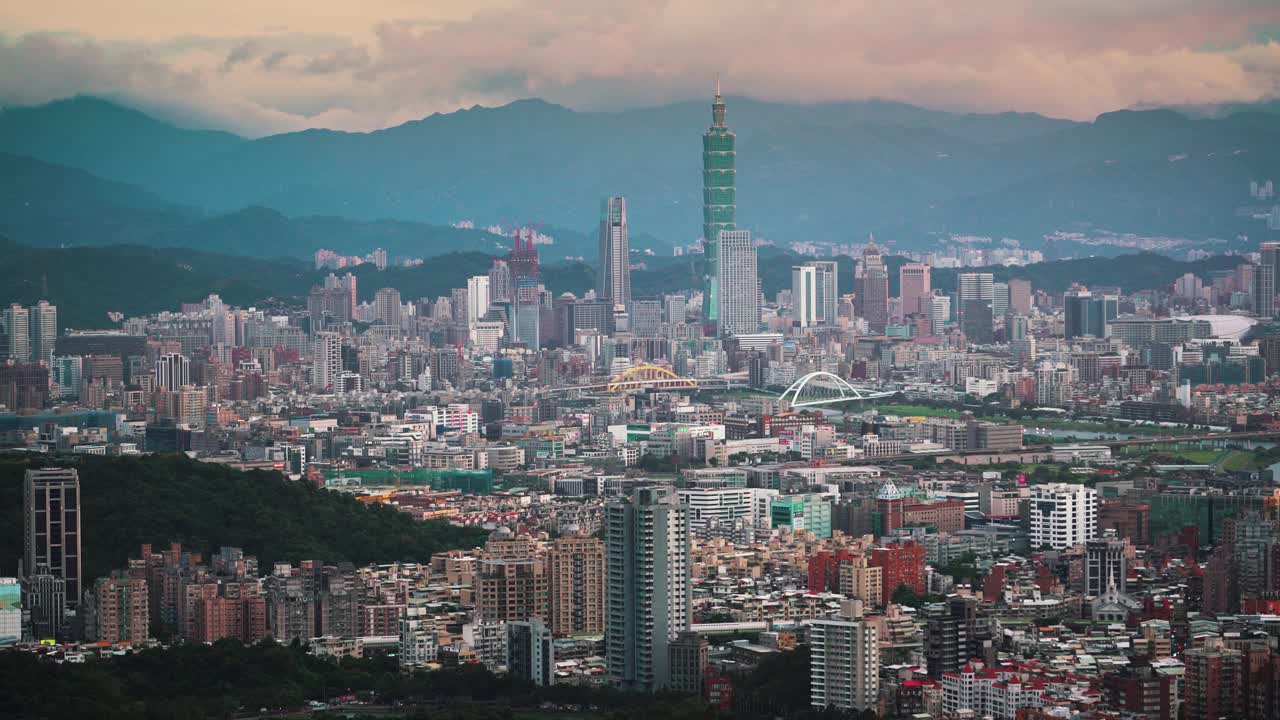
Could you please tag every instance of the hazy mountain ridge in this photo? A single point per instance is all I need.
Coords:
(822, 172)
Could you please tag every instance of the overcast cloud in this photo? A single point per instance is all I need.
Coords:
(259, 68)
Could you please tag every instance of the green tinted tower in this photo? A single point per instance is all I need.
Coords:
(719, 199)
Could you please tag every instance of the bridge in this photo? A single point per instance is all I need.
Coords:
(824, 388)
(652, 377)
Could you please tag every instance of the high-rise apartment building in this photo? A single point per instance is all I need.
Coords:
(827, 291)
(173, 371)
(873, 290)
(478, 291)
(43, 331)
(915, 286)
(804, 290)
(648, 590)
(17, 329)
(844, 661)
(613, 281)
(120, 610)
(1062, 515)
(327, 362)
(386, 304)
(51, 504)
(512, 589)
(1211, 685)
(575, 571)
(939, 313)
(955, 633)
(738, 284)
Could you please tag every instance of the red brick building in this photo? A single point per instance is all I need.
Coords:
(900, 564)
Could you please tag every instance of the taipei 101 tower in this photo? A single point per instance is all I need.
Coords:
(719, 201)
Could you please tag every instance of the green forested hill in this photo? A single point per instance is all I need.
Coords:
(157, 499)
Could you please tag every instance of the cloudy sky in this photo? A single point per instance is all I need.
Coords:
(263, 66)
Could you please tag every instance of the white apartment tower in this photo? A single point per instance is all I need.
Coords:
(1062, 515)
(738, 283)
(477, 299)
(844, 664)
(648, 586)
(804, 291)
(327, 363)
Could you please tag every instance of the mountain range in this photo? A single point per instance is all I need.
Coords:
(830, 172)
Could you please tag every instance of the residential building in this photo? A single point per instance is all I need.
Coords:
(575, 569)
(1062, 515)
(844, 664)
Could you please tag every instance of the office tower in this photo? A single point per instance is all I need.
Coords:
(844, 661)
(999, 299)
(10, 611)
(954, 634)
(915, 287)
(499, 282)
(329, 306)
(24, 386)
(976, 321)
(120, 611)
(873, 290)
(1020, 296)
(1265, 278)
(719, 201)
(646, 318)
(17, 328)
(531, 652)
(1211, 685)
(477, 298)
(1086, 314)
(380, 258)
(939, 313)
(648, 592)
(827, 292)
(974, 286)
(674, 309)
(614, 279)
(575, 566)
(737, 283)
(44, 597)
(1105, 566)
(386, 304)
(51, 503)
(804, 290)
(173, 371)
(525, 319)
(1062, 515)
(43, 331)
(690, 652)
(327, 362)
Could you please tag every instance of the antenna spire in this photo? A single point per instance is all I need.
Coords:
(717, 86)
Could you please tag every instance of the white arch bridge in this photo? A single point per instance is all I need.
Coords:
(824, 388)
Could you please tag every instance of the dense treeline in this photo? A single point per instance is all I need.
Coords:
(157, 499)
(228, 678)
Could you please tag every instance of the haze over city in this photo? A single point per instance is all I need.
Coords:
(587, 360)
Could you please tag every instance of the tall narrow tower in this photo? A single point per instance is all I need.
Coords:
(719, 200)
(614, 281)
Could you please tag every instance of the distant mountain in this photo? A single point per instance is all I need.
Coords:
(824, 172)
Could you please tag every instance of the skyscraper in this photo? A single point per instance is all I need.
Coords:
(17, 327)
(738, 284)
(499, 282)
(915, 285)
(523, 261)
(1086, 314)
(648, 589)
(386, 302)
(478, 297)
(51, 503)
(43, 331)
(1265, 278)
(873, 290)
(719, 200)
(613, 282)
(575, 567)
(804, 290)
(1020, 296)
(827, 291)
(173, 371)
(327, 363)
